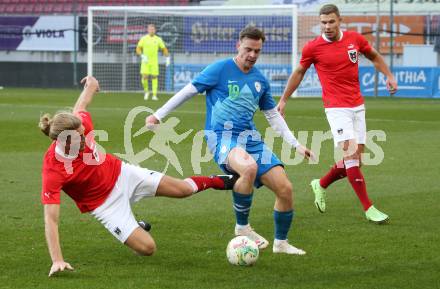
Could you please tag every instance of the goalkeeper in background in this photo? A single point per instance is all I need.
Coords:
(148, 48)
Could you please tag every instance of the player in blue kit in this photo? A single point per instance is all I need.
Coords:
(235, 89)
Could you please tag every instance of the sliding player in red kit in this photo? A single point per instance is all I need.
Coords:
(335, 56)
(101, 184)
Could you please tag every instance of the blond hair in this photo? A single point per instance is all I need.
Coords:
(63, 120)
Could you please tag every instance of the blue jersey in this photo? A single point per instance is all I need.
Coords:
(232, 95)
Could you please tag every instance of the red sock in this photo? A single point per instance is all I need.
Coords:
(204, 183)
(357, 181)
(336, 172)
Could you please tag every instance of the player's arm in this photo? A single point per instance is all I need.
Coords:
(279, 125)
(91, 86)
(295, 79)
(207, 79)
(174, 102)
(165, 53)
(167, 56)
(51, 217)
(139, 46)
(138, 50)
(380, 65)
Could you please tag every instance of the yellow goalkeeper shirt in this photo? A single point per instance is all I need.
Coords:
(150, 46)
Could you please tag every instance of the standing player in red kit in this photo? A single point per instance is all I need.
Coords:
(335, 57)
(99, 183)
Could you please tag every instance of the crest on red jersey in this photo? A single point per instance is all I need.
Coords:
(353, 55)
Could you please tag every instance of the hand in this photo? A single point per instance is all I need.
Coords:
(151, 122)
(391, 85)
(167, 61)
(58, 266)
(281, 107)
(90, 83)
(144, 58)
(308, 154)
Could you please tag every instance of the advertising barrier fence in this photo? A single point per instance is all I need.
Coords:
(414, 82)
(37, 33)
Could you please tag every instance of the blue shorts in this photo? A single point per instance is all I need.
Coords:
(260, 152)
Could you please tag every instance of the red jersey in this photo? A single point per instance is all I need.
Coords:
(337, 66)
(88, 178)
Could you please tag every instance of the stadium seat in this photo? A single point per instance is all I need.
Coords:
(113, 3)
(39, 8)
(48, 8)
(102, 3)
(19, 9)
(67, 8)
(10, 9)
(28, 8)
(82, 7)
(57, 8)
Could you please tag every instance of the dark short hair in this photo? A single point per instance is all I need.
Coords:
(151, 24)
(252, 32)
(329, 9)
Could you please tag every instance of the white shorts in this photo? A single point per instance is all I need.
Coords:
(133, 184)
(347, 123)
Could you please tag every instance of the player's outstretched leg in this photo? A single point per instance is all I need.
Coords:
(319, 195)
(145, 225)
(145, 86)
(352, 162)
(177, 188)
(319, 186)
(242, 206)
(141, 242)
(154, 85)
(276, 180)
(228, 181)
(283, 221)
(376, 216)
(357, 182)
(245, 166)
(217, 182)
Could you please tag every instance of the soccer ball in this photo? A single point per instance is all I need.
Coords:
(242, 251)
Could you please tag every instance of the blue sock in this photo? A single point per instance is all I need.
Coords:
(242, 206)
(283, 220)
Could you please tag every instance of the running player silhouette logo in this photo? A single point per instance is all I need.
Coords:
(162, 135)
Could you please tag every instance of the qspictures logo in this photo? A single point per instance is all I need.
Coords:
(161, 141)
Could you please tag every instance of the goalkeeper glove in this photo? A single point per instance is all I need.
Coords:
(144, 58)
(167, 61)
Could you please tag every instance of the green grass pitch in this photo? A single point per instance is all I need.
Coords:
(343, 249)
